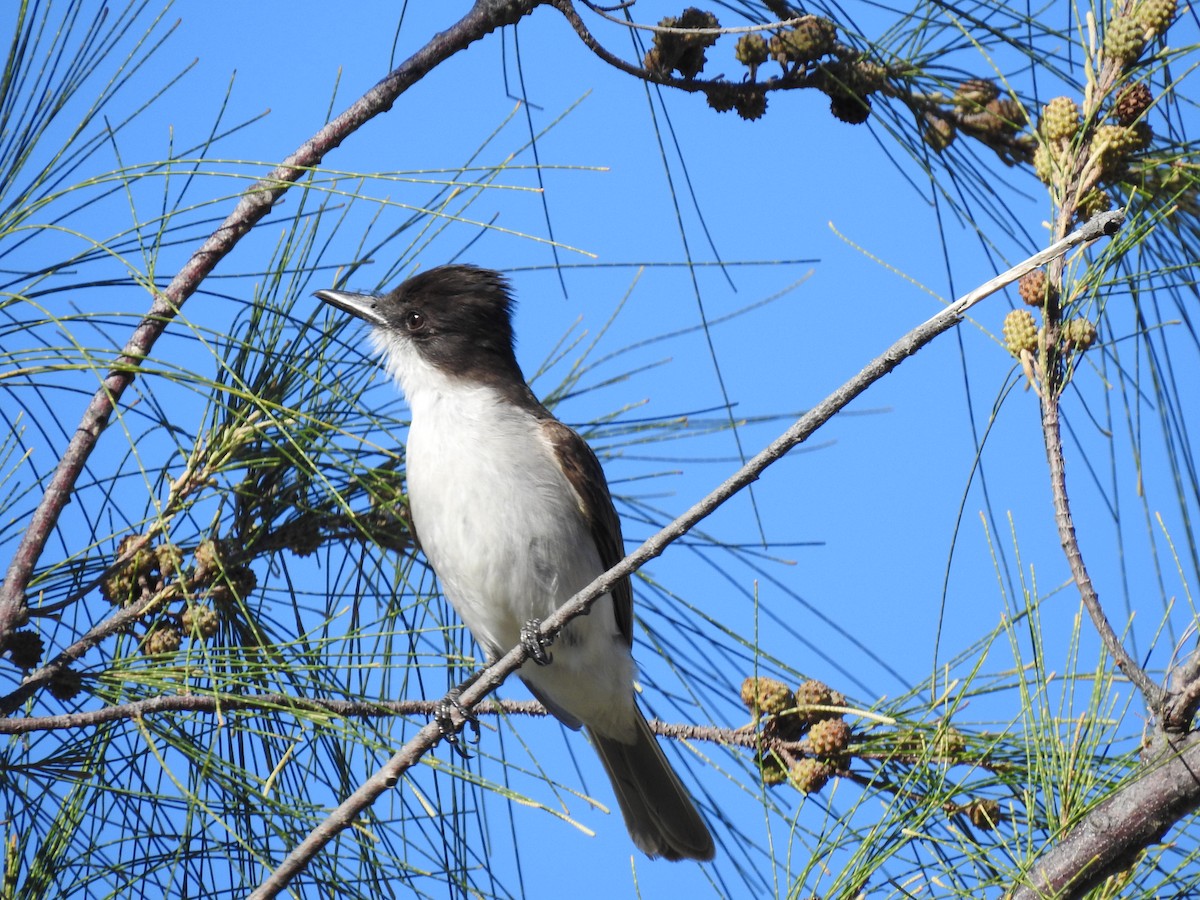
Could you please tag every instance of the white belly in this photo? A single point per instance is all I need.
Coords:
(500, 525)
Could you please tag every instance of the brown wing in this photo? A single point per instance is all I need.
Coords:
(586, 476)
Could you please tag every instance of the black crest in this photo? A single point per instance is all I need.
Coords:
(459, 317)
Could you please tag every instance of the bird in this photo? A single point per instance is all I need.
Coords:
(512, 510)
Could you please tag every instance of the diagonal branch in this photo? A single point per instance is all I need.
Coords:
(484, 17)
(1110, 836)
(1052, 432)
(495, 674)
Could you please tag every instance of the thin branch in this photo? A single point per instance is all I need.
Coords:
(1151, 692)
(348, 709)
(485, 16)
(197, 703)
(491, 678)
(796, 79)
(1110, 837)
(1074, 184)
(1009, 144)
(750, 737)
(604, 13)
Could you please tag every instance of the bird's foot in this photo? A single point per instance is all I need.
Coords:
(535, 643)
(443, 714)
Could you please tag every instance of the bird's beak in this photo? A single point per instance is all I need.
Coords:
(365, 306)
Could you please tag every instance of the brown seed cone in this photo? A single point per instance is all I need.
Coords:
(808, 775)
(977, 91)
(772, 768)
(766, 696)
(850, 108)
(201, 621)
(25, 648)
(65, 684)
(161, 639)
(1132, 103)
(984, 814)
(812, 693)
(1035, 288)
(1008, 113)
(751, 105)
(829, 738)
(938, 132)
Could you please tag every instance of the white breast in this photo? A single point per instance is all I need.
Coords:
(501, 526)
(493, 515)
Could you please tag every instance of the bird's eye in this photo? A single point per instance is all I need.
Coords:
(414, 320)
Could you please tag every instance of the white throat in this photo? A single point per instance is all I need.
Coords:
(417, 378)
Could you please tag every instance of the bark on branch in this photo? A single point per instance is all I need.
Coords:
(1109, 838)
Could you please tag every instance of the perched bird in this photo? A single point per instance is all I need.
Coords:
(512, 510)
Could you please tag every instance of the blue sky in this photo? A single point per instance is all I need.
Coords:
(863, 522)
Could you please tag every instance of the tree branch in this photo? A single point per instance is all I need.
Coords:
(1184, 694)
(1109, 837)
(485, 16)
(1151, 692)
(981, 123)
(348, 709)
(797, 79)
(201, 703)
(495, 674)
(1067, 195)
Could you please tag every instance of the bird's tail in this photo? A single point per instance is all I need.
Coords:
(660, 816)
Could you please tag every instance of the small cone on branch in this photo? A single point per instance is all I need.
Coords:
(1132, 104)
(829, 738)
(808, 775)
(1060, 119)
(976, 92)
(813, 693)
(1078, 333)
(766, 696)
(1124, 39)
(1020, 332)
(1155, 16)
(1035, 288)
(25, 648)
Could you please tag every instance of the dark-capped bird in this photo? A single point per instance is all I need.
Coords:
(512, 510)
